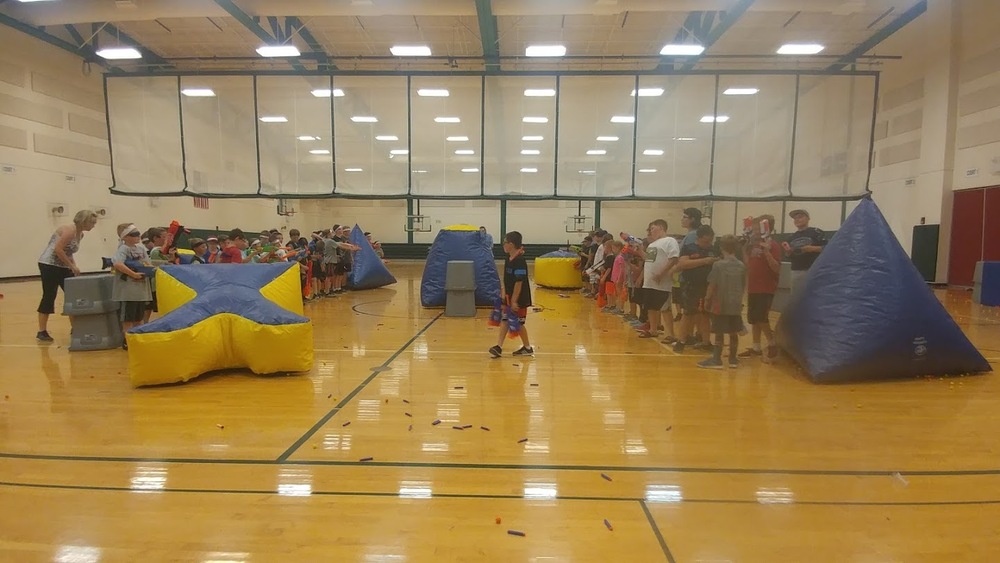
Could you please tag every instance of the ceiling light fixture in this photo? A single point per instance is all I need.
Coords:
(539, 92)
(410, 50)
(326, 92)
(278, 51)
(307, 138)
(608, 138)
(588, 172)
(534, 120)
(198, 92)
(800, 49)
(596, 152)
(398, 152)
(545, 51)
(529, 170)
(457, 139)
(447, 120)
(119, 53)
(684, 138)
(649, 92)
(319, 151)
(530, 152)
(653, 152)
(386, 138)
(364, 119)
(647, 170)
(470, 170)
(274, 119)
(676, 50)
(623, 119)
(433, 92)
(353, 170)
(465, 152)
(741, 91)
(711, 118)
(532, 138)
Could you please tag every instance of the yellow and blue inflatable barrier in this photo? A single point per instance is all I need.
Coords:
(558, 270)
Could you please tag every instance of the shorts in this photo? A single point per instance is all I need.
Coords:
(132, 311)
(694, 299)
(758, 306)
(610, 289)
(655, 299)
(329, 269)
(340, 268)
(726, 324)
(151, 306)
(633, 295)
(317, 270)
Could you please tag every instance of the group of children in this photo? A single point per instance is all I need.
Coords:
(704, 277)
(324, 261)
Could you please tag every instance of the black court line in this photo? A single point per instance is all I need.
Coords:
(484, 496)
(656, 530)
(513, 466)
(315, 428)
(360, 312)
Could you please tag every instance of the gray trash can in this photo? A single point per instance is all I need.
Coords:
(460, 285)
(93, 313)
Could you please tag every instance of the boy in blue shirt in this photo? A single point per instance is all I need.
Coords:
(517, 293)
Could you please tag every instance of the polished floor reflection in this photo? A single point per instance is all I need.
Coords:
(408, 443)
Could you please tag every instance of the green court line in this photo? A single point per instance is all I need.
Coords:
(656, 531)
(343, 402)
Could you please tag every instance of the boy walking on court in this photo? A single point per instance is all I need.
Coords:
(517, 293)
(726, 284)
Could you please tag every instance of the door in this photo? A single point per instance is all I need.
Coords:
(966, 236)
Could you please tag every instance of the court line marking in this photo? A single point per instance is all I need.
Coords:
(343, 402)
(656, 532)
(512, 466)
(649, 516)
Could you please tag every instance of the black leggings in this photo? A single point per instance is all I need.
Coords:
(53, 277)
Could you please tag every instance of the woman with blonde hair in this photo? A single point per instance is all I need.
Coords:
(56, 264)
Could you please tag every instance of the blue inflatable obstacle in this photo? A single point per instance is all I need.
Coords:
(368, 271)
(459, 242)
(864, 312)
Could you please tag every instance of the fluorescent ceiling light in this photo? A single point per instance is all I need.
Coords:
(353, 170)
(587, 171)
(116, 53)
(539, 92)
(649, 92)
(433, 92)
(410, 50)
(653, 152)
(596, 152)
(274, 119)
(198, 92)
(530, 152)
(457, 138)
(647, 170)
(386, 138)
(326, 92)
(711, 118)
(278, 51)
(364, 119)
(529, 170)
(319, 151)
(396, 152)
(535, 120)
(741, 91)
(532, 138)
(470, 170)
(545, 51)
(608, 138)
(800, 49)
(307, 138)
(419, 171)
(682, 50)
(623, 119)
(465, 151)
(447, 120)
(683, 138)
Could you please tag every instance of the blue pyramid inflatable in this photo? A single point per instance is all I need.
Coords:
(368, 272)
(864, 312)
(459, 242)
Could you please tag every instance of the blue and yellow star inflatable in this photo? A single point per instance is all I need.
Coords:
(222, 316)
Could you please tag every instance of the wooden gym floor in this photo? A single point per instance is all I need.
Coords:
(751, 464)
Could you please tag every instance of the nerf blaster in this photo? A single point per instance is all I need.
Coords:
(173, 230)
(629, 238)
(765, 229)
(747, 226)
(513, 323)
(496, 317)
(144, 268)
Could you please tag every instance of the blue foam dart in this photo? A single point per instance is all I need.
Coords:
(864, 312)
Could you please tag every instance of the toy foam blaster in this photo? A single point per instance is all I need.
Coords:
(747, 226)
(513, 323)
(496, 316)
(629, 238)
(175, 229)
(765, 229)
(134, 265)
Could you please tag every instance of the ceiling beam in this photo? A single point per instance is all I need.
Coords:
(310, 39)
(83, 51)
(881, 35)
(148, 56)
(726, 20)
(254, 27)
(488, 34)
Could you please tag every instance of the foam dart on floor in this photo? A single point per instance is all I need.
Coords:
(522, 440)
(606, 476)
(435, 423)
(366, 459)
(516, 533)
(608, 525)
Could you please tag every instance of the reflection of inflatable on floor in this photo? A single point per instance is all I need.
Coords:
(220, 317)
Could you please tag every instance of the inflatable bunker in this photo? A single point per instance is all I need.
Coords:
(460, 242)
(368, 271)
(220, 317)
(864, 312)
(558, 269)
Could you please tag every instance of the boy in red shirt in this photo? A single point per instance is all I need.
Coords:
(762, 255)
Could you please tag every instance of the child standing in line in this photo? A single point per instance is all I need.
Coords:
(130, 287)
(517, 293)
(726, 285)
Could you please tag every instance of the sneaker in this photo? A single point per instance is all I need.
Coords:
(678, 347)
(710, 363)
(734, 363)
(670, 340)
(644, 327)
(772, 352)
(749, 353)
(43, 336)
(647, 334)
(522, 351)
(496, 351)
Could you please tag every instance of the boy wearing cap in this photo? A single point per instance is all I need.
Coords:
(803, 246)
(211, 255)
(131, 288)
